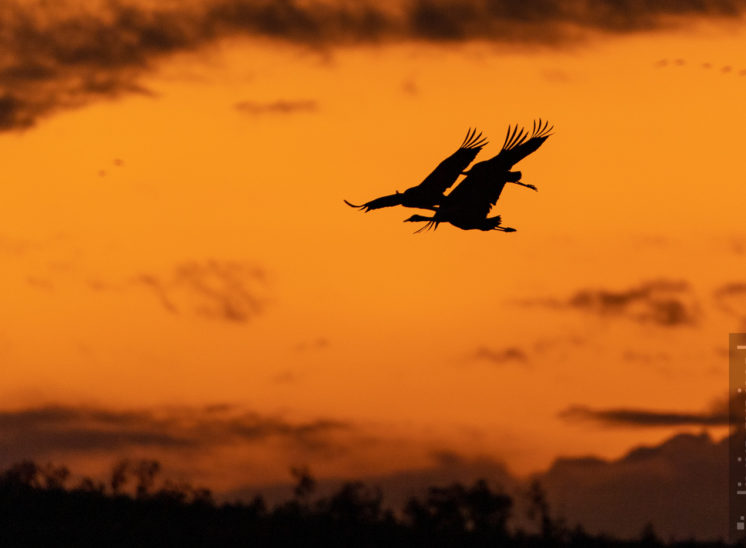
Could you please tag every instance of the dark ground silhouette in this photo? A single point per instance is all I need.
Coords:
(39, 508)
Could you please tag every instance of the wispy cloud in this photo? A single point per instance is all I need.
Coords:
(40, 431)
(319, 343)
(65, 54)
(511, 354)
(645, 357)
(731, 298)
(668, 303)
(277, 107)
(222, 290)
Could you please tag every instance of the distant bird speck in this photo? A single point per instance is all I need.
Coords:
(410, 87)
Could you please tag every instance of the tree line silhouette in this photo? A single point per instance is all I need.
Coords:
(39, 506)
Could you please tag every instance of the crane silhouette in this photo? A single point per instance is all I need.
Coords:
(429, 193)
(469, 203)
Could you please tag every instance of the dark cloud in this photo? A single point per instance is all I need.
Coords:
(65, 54)
(662, 302)
(557, 346)
(734, 288)
(678, 486)
(223, 290)
(510, 354)
(641, 417)
(277, 107)
(717, 415)
(41, 431)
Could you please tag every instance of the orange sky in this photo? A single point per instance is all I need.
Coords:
(131, 225)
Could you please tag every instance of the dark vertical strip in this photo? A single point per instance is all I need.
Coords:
(737, 440)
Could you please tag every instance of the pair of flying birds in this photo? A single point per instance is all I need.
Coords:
(469, 203)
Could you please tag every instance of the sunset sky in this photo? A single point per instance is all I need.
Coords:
(181, 279)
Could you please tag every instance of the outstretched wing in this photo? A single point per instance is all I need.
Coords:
(518, 145)
(430, 191)
(449, 169)
(378, 203)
